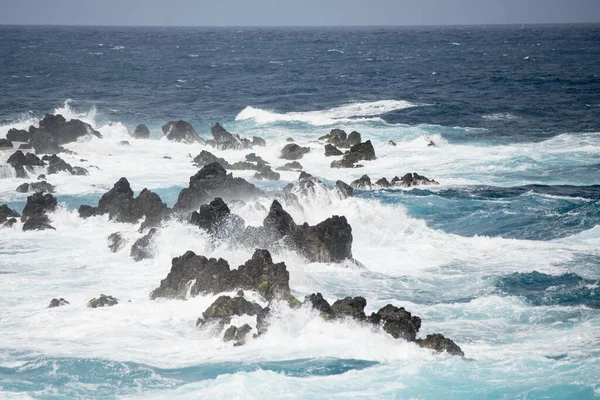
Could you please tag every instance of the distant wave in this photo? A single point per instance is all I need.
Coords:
(364, 111)
(500, 117)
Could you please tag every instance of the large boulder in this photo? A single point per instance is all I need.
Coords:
(398, 322)
(258, 141)
(121, 206)
(354, 138)
(206, 157)
(228, 141)
(317, 302)
(363, 183)
(181, 131)
(328, 241)
(337, 137)
(6, 213)
(217, 219)
(38, 203)
(225, 307)
(265, 172)
(343, 190)
(439, 343)
(195, 275)
(5, 144)
(55, 130)
(58, 303)
(42, 187)
(102, 301)
(24, 162)
(331, 150)
(141, 132)
(293, 152)
(18, 135)
(358, 152)
(213, 181)
(350, 307)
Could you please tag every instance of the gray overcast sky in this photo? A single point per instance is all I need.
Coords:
(297, 12)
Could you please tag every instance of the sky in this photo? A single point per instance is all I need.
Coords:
(297, 12)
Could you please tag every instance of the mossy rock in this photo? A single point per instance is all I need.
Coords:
(326, 316)
(103, 301)
(294, 302)
(265, 289)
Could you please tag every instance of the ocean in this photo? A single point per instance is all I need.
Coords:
(503, 256)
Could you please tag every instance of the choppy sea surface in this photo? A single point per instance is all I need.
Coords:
(503, 256)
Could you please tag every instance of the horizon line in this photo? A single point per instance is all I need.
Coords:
(302, 26)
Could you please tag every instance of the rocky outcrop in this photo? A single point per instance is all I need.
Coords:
(238, 335)
(102, 301)
(412, 179)
(57, 164)
(266, 173)
(293, 152)
(58, 303)
(343, 190)
(339, 138)
(18, 135)
(354, 138)
(396, 321)
(363, 183)
(193, 274)
(116, 242)
(213, 181)
(328, 241)
(55, 130)
(181, 131)
(121, 206)
(358, 152)
(206, 157)
(5, 144)
(382, 183)
(24, 162)
(34, 214)
(440, 344)
(7, 216)
(143, 248)
(292, 166)
(331, 150)
(141, 132)
(42, 187)
(258, 141)
(228, 141)
(225, 307)
(217, 219)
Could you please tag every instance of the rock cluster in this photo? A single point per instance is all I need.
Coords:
(408, 180)
(339, 138)
(181, 131)
(358, 152)
(34, 214)
(293, 152)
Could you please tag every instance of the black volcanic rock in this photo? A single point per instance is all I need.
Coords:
(24, 162)
(18, 135)
(291, 166)
(353, 307)
(213, 181)
(143, 248)
(412, 179)
(439, 343)
(225, 307)
(141, 132)
(181, 131)
(214, 276)
(331, 150)
(102, 301)
(293, 152)
(354, 138)
(42, 187)
(206, 157)
(55, 130)
(228, 141)
(398, 322)
(5, 144)
(363, 183)
(58, 303)
(343, 190)
(358, 152)
(6, 213)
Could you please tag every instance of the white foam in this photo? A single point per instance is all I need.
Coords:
(366, 111)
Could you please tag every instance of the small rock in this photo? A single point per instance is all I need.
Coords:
(103, 301)
(58, 303)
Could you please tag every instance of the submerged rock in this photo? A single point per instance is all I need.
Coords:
(206, 157)
(293, 152)
(116, 242)
(41, 187)
(102, 301)
(398, 322)
(440, 344)
(292, 166)
(352, 307)
(141, 132)
(143, 248)
(181, 131)
(57, 164)
(213, 181)
(58, 303)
